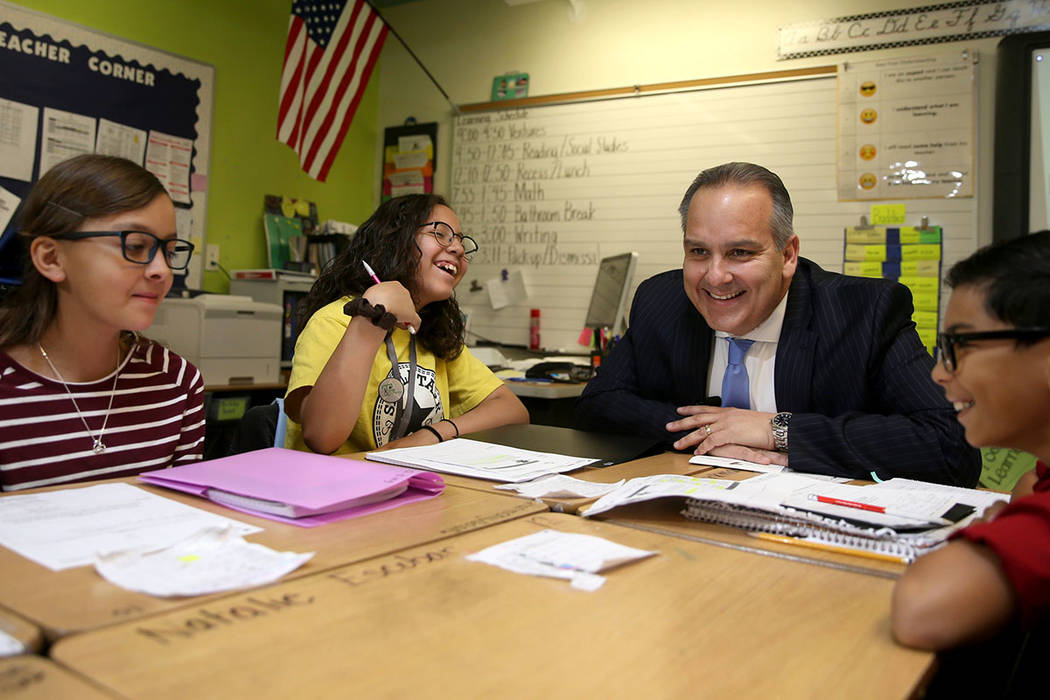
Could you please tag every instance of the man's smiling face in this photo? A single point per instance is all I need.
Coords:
(734, 274)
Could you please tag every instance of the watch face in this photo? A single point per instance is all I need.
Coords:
(781, 420)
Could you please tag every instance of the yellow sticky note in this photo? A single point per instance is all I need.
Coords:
(922, 251)
(924, 300)
(920, 268)
(865, 235)
(869, 253)
(925, 319)
(863, 269)
(921, 284)
(887, 214)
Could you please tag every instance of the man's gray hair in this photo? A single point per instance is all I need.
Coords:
(780, 221)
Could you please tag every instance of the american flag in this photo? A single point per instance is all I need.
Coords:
(331, 50)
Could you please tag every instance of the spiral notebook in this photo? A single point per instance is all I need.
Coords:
(900, 518)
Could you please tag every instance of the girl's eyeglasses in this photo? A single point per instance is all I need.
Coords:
(141, 247)
(445, 235)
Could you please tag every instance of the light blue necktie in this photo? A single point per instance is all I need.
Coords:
(736, 390)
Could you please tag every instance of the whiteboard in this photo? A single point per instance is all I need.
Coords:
(551, 190)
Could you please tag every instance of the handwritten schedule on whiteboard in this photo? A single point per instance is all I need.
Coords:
(552, 190)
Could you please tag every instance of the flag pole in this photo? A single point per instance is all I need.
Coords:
(455, 109)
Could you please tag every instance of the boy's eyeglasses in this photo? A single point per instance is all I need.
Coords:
(140, 247)
(445, 235)
(946, 342)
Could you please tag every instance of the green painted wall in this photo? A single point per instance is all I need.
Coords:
(244, 40)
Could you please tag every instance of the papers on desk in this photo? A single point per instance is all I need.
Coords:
(744, 465)
(560, 486)
(899, 517)
(9, 646)
(578, 558)
(299, 488)
(209, 561)
(63, 529)
(647, 488)
(481, 460)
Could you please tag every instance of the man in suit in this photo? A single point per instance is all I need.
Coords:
(818, 371)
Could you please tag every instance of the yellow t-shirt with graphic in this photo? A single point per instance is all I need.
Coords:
(444, 389)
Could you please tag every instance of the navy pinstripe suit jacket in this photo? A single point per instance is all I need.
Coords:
(849, 367)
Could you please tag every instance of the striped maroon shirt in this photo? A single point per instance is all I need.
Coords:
(157, 421)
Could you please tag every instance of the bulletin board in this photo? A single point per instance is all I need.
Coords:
(67, 89)
(551, 189)
(409, 159)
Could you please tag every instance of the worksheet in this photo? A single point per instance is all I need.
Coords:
(67, 528)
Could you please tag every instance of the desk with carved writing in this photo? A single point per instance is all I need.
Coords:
(695, 620)
(37, 678)
(22, 631)
(74, 600)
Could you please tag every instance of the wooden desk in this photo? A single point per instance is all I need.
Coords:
(22, 630)
(37, 678)
(74, 600)
(695, 620)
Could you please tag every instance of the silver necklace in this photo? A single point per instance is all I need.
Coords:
(96, 442)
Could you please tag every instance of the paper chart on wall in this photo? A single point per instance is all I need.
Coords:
(168, 157)
(64, 135)
(116, 139)
(8, 205)
(17, 139)
(906, 127)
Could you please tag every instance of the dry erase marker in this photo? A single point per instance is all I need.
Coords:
(847, 504)
(375, 278)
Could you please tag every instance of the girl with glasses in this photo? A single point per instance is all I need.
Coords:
(381, 361)
(82, 395)
(995, 369)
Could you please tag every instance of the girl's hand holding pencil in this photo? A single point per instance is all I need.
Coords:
(395, 298)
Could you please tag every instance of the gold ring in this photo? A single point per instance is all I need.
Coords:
(708, 429)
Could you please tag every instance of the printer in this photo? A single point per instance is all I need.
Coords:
(231, 339)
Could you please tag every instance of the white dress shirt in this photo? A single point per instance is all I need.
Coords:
(759, 360)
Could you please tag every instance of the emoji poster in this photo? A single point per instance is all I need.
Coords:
(906, 127)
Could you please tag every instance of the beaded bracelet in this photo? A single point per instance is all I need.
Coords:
(436, 433)
(378, 315)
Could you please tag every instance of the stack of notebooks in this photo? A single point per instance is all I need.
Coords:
(900, 518)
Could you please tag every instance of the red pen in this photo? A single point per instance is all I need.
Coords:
(848, 504)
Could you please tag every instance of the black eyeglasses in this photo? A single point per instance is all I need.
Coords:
(946, 342)
(141, 247)
(445, 235)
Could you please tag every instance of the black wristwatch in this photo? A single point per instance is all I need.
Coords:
(780, 423)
